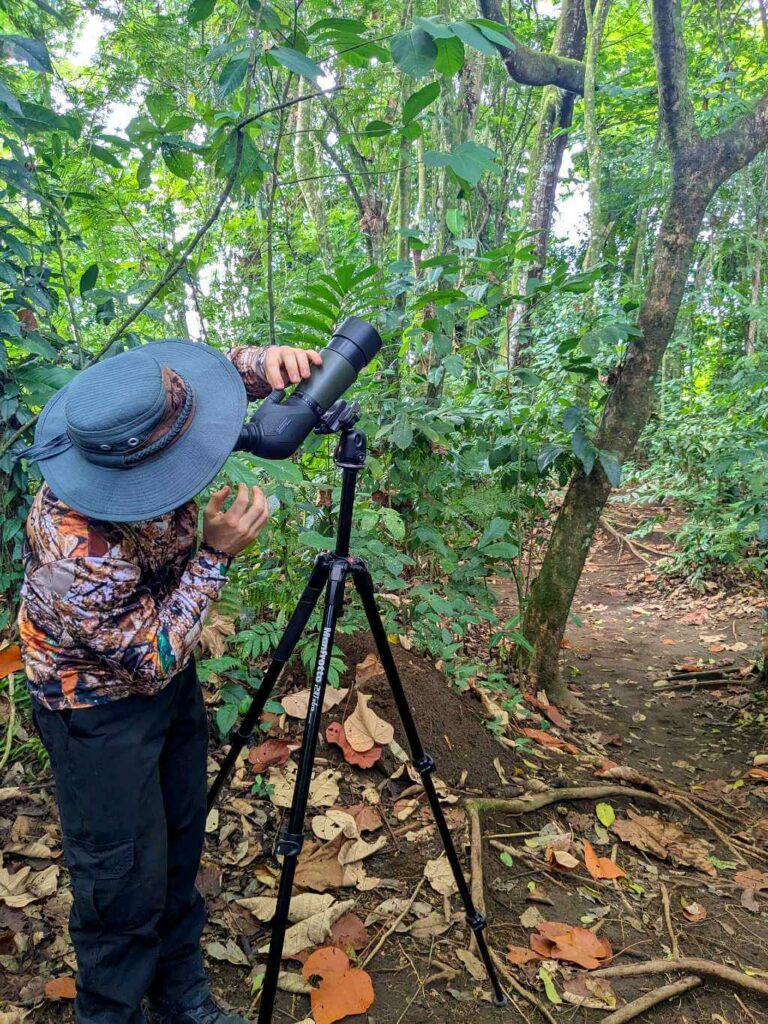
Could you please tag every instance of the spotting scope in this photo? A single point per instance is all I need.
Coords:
(281, 424)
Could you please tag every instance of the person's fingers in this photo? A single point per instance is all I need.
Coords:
(272, 369)
(303, 362)
(257, 525)
(290, 365)
(314, 356)
(217, 499)
(257, 509)
(239, 505)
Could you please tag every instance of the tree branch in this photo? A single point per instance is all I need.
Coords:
(672, 71)
(531, 67)
(737, 146)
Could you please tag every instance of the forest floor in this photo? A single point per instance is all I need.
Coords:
(694, 842)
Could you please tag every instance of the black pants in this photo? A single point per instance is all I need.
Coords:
(130, 781)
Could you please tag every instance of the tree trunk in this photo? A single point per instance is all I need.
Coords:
(756, 286)
(555, 118)
(305, 162)
(625, 414)
(598, 222)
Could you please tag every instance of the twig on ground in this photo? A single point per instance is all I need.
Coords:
(475, 868)
(706, 820)
(10, 728)
(708, 968)
(385, 935)
(651, 999)
(529, 997)
(535, 801)
(622, 539)
(668, 921)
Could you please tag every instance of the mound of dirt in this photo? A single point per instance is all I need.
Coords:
(451, 724)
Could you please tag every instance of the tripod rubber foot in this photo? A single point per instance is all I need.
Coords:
(500, 1001)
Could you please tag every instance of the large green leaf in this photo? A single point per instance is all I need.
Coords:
(89, 278)
(178, 161)
(420, 100)
(473, 37)
(414, 52)
(470, 161)
(450, 56)
(199, 10)
(232, 76)
(297, 62)
(32, 52)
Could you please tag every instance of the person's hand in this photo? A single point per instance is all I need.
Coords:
(284, 365)
(233, 529)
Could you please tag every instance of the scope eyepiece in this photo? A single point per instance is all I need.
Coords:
(281, 424)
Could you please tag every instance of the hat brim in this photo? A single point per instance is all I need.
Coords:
(173, 476)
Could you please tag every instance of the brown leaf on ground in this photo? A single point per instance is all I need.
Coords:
(439, 875)
(557, 941)
(297, 704)
(520, 955)
(209, 879)
(318, 867)
(694, 912)
(752, 879)
(25, 886)
(349, 933)
(61, 988)
(270, 753)
(368, 819)
(313, 930)
(600, 867)
(665, 840)
(363, 759)
(546, 739)
(343, 990)
(302, 906)
(364, 729)
(590, 993)
(561, 860)
(368, 668)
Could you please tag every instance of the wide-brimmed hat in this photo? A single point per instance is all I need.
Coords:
(139, 434)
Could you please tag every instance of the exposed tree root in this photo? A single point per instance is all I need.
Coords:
(515, 985)
(651, 999)
(535, 801)
(668, 921)
(622, 539)
(707, 968)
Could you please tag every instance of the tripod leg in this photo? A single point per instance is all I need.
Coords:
(283, 652)
(425, 765)
(292, 838)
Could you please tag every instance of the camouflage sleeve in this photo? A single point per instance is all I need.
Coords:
(248, 360)
(101, 603)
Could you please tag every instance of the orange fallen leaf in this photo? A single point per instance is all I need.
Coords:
(10, 660)
(716, 648)
(546, 739)
(366, 759)
(557, 941)
(343, 990)
(521, 955)
(270, 752)
(757, 773)
(61, 988)
(600, 867)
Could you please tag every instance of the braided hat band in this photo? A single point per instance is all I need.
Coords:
(176, 418)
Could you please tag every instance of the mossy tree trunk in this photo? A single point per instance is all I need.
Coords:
(699, 167)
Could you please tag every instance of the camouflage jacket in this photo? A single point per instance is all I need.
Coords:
(113, 609)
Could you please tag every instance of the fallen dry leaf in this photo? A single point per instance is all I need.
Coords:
(229, 952)
(269, 753)
(61, 988)
(521, 955)
(349, 933)
(439, 875)
(359, 849)
(694, 912)
(318, 867)
(368, 668)
(343, 990)
(590, 993)
(561, 860)
(752, 879)
(665, 840)
(546, 739)
(25, 886)
(297, 704)
(335, 821)
(302, 906)
(364, 729)
(363, 759)
(313, 930)
(557, 941)
(600, 867)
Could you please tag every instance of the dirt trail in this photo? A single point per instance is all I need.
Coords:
(634, 629)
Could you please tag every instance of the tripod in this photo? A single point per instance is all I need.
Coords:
(330, 573)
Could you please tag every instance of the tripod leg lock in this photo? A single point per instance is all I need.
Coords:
(289, 844)
(476, 921)
(425, 765)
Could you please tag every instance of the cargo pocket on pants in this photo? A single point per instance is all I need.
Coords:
(98, 881)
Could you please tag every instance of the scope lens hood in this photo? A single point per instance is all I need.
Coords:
(357, 341)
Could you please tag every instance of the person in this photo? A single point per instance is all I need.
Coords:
(115, 593)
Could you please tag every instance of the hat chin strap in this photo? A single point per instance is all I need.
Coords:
(39, 452)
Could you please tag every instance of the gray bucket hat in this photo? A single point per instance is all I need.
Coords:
(139, 434)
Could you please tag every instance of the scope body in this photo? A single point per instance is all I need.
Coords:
(281, 424)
